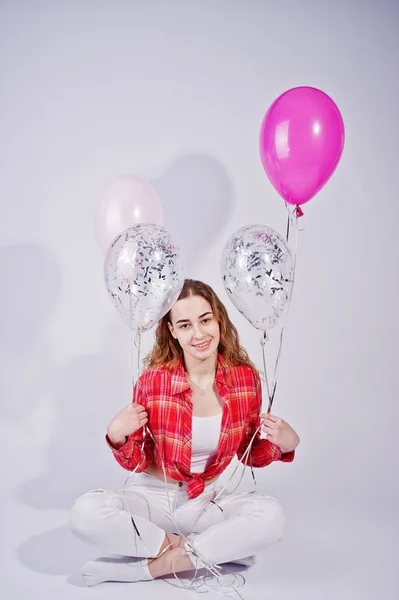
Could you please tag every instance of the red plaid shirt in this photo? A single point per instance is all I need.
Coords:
(166, 394)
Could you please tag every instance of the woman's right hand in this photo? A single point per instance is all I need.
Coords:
(127, 421)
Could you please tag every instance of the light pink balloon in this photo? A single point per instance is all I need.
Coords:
(126, 202)
(301, 142)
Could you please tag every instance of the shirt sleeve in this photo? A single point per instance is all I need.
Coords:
(263, 452)
(138, 451)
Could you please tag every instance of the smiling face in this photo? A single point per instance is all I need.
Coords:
(195, 327)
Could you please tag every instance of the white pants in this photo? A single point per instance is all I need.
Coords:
(133, 522)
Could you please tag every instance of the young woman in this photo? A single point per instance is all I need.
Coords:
(195, 407)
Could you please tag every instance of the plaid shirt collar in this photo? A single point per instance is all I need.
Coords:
(179, 382)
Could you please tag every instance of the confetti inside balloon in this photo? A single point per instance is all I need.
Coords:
(143, 274)
(257, 271)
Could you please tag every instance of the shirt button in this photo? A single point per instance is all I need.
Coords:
(180, 483)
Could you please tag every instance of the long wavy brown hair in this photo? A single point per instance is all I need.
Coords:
(167, 351)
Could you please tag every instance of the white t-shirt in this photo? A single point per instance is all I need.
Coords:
(205, 441)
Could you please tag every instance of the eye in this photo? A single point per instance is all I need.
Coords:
(184, 326)
(206, 320)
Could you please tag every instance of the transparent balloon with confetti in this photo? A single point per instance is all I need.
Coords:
(143, 274)
(258, 271)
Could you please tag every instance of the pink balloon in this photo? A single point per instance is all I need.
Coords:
(126, 202)
(301, 142)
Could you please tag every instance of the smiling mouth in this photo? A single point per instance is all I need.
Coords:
(204, 345)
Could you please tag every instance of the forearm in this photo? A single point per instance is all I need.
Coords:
(116, 443)
(116, 439)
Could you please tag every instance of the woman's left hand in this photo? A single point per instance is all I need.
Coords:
(279, 432)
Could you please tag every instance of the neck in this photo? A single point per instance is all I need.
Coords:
(200, 369)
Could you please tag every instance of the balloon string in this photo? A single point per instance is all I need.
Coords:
(288, 225)
(264, 338)
(132, 345)
(296, 215)
(135, 347)
(135, 343)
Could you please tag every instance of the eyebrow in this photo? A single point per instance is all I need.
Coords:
(188, 320)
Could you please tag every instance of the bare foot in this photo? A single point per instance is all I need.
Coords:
(171, 541)
(172, 561)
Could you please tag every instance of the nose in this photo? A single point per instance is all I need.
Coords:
(197, 331)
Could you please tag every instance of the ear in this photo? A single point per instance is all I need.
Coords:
(172, 330)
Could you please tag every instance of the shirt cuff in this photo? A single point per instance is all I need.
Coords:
(117, 451)
(287, 456)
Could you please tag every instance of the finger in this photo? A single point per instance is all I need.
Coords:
(268, 430)
(143, 417)
(265, 417)
(276, 423)
(273, 418)
(270, 423)
(139, 408)
(269, 435)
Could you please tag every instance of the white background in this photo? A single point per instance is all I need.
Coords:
(175, 91)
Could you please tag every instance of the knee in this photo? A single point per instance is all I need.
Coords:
(85, 513)
(271, 515)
